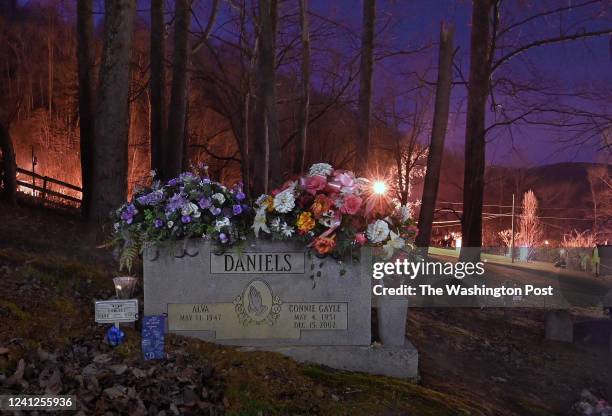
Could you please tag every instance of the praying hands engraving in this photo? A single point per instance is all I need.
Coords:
(256, 307)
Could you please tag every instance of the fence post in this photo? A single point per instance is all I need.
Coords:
(44, 191)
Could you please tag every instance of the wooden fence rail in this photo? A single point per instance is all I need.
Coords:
(44, 190)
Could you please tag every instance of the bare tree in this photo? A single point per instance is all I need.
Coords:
(267, 139)
(175, 135)
(492, 46)
(438, 134)
(9, 167)
(365, 84)
(86, 66)
(112, 111)
(157, 84)
(478, 90)
(304, 90)
(600, 186)
(530, 230)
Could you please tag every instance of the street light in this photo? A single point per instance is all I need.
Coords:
(379, 187)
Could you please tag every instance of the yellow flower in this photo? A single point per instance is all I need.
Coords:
(305, 222)
(268, 203)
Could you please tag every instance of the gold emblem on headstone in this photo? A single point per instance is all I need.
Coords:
(257, 304)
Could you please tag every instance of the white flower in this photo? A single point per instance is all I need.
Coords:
(405, 212)
(223, 222)
(321, 169)
(196, 214)
(378, 231)
(287, 230)
(275, 224)
(189, 209)
(395, 242)
(116, 226)
(152, 173)
(219, 197)
(284, 201)
(170, 224)
(259, 223)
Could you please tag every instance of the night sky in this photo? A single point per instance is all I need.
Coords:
(571, 64)
(412, 24)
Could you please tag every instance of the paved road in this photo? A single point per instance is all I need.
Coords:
(570, 288)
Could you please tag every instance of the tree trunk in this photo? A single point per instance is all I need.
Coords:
(267, 140)
(300, 157)
(438, 134)
(478, 91)
(112, 111)
(157, 85)
(365, 86)
(9, 167)
(245, 159)
(86, 64)
(175, 136)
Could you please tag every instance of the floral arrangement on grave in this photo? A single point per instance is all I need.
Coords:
(189, 206)
(332, 211)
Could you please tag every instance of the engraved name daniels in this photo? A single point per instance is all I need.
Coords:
(286, 262)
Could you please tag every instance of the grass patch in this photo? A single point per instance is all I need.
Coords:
(367, 394)
(14, 310)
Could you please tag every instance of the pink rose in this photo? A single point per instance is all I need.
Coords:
(360, 239)
(351, 204)
(312, 184)
(345, 178)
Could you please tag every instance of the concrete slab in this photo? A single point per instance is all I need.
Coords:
(391, 361)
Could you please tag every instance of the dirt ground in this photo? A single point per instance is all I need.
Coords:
(472, 361)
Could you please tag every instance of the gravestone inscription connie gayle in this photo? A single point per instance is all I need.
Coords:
(267, 293)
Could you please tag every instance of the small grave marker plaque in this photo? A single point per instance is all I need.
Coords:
(114, 311)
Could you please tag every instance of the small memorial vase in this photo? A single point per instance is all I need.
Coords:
(124, 286)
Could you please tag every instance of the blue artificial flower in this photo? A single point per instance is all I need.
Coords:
(115, 336)
(223, 238)
(186, 219)
(215, 211)
(158, 223)
(237, 209)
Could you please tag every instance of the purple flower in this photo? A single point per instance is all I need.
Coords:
(176, 202)
(186, 176)
(186, 219)
(172, 182)
(237, 209)
(152, 198)
(215, 211)
(158, 223)
(223, 238)
(205, 202)
(128, 214)
(240, 195)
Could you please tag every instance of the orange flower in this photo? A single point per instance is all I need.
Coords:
(325, 245)
(305, 222)
(321, 205)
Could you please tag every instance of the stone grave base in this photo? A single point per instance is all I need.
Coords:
(392, 361)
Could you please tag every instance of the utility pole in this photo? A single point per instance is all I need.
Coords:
(512, 239)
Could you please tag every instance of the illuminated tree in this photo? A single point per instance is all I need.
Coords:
(530, 228)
